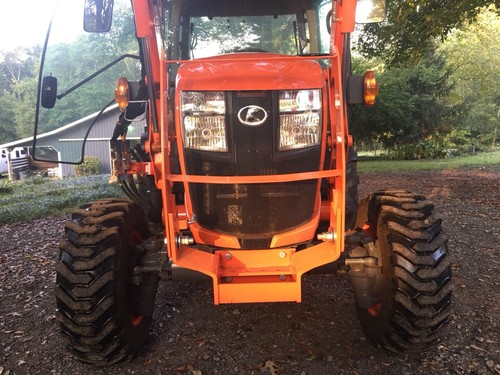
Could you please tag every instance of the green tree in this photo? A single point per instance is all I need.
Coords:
(17, 92)
(15, 66)
(410, 25)
(24, 111)
(72, 62)
(411, 105)
(7, 131)
(472, 54)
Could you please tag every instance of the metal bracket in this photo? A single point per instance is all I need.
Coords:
(363, 268)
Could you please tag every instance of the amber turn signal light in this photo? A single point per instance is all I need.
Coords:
(121, 92)
(370, 88)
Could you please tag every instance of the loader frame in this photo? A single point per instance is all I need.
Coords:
(261, 275)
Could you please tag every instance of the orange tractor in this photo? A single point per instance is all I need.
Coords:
(244, 175)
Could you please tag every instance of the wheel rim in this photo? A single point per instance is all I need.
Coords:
(136, 320)
(375, 309)
(135, 238)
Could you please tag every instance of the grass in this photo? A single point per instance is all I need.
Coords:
(39, 197)
(487, 160)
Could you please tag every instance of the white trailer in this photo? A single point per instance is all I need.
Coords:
(19, 160)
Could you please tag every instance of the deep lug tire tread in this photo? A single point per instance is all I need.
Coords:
(352, 192)
(416, 301)
(91, 279)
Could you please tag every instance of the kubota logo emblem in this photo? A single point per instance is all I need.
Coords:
(252, 115)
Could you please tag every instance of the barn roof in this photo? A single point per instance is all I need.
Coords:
(29, 141)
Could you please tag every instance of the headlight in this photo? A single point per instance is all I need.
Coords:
(300, 119)
(203, 120)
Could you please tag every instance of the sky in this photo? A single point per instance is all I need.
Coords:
(24, 22)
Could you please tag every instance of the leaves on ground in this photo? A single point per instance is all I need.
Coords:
(319, 336)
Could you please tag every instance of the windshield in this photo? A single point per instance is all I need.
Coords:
(220, 35)
(198, 29)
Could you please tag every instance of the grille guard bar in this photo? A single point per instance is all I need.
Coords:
(260, 179)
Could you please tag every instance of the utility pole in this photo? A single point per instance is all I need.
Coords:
(9, 164)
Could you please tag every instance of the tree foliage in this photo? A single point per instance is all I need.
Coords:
(411, 104)
(7, 130)
(71, 63)
(446, 99)
(472, 54)
(412, 24)
(17, 84)
(437, 64)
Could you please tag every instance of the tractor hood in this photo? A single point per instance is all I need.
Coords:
(249, 71)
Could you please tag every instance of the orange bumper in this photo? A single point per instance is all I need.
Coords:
(270, 275)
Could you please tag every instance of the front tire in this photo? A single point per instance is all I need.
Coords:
(352, 184)
(414, 300)
(97, 302)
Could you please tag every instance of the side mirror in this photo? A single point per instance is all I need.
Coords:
(370, 11)
(49, 91)
(98, 15)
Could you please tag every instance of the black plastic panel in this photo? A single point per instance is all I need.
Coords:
(253, 212)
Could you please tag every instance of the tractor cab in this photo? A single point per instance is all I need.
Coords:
(88, 47)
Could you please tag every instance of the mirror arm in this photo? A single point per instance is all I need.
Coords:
(95, 74)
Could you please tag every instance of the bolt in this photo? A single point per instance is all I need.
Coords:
(229, 279)
(282, 277)
(186, 240)
(282, 255)
(228, 256)
(327, 236)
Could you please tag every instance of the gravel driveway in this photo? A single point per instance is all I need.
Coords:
(319, 336)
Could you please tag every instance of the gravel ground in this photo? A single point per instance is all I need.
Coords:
(319, 336)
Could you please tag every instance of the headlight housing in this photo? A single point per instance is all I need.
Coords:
(204, 120)
(300, 119)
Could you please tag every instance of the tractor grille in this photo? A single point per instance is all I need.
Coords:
(253, 212)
